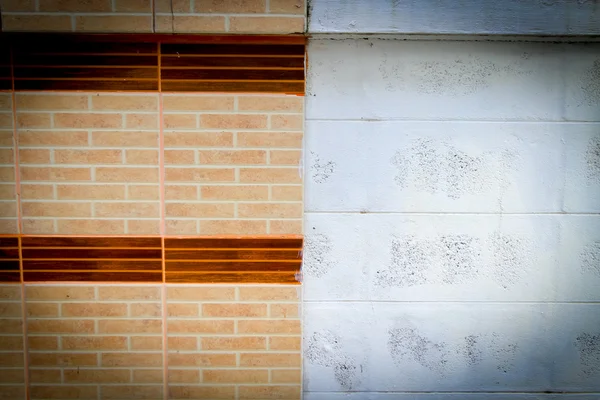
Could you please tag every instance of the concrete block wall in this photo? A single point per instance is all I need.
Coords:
(451, 219)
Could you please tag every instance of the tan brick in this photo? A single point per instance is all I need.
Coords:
(131, 359)
(285, 227)
(6, 122)
(7, 156)
(33, 120)
(232, 6)
(8, 210)
(122, 102)
(86, 227)
(6, 97)
(42, 342)
(7, 174)
(289, 293)
(141, 121)
(245, 192)
(270, 210)
(182, 343)
(143, 192)
(146, 343)
(113, 23)
(270, 175)
(235, 376)
(56, 209)
(6, 138)
(286, 6)
(198, 139)
(286, 343)
(287, 193)
(18, 5)
(143, 227)
(60, 326)
(200, 326)
(9, 191)
(60, 392)
(182, 192)
(10, 292)
(90, 192)
(52, 138)
(55, 174)
(200, 210)
(270, 392)
(197, 103)
(93, 310)
(234, 343)
(132, 392)
(288, 122)
(13, 360)
(127, 210)
(142, 157)
(148, 376)
(74, 6)
(38, 226)
(271, 103)
(42, 310)
(130, 326)
(236, 157)
(13, 326)
(284, 310)
(34, 156)
(270, 359)
(125, 139)
(233, 227)
(189, 24)
(199, 174)
(10, 310)
(199, 293)
(181, 227)
(180, 121)
(145, 310)
(129, 293)
(184, 376)
(63, 359)
(45, 376)
(180, 157)
(96, 376)
(285, 157)
(269, 326)
(11, 343)
(233, 121)
(266, 24)
(94, 343)
(176, 6)
(130, 174)
(51, 102)
(60, 293)
(201, 360)
(183, 310)
(87, 120)
(234, 310)
(270, 139)
(88, 156)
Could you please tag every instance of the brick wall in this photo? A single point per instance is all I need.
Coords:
(8, 187)
(178, 16)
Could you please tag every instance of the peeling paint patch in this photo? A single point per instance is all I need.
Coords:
(592, 158)
(406, 343)
(317, 260)
(408, 266)
(325, 349)
(511, 258)
(590, 258)
(588, 346)
(321, 172)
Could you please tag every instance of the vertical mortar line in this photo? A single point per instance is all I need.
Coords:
(24, 319)
(153, 11)
(16, 147)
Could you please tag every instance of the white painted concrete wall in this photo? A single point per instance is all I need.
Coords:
(452, 221)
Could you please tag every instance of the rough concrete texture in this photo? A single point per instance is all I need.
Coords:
(452, 227)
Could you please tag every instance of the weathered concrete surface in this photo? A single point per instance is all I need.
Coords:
(477, 17)
(452, 220)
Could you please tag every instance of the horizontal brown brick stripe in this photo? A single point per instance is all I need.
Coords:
(265, 64)
(150, 259)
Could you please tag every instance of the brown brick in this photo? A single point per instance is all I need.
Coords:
(93, 310)
(96, 376)
(286, 193)
(189, 24)
(94, 343)
(45, 376)
(12, 392)
(33, 120)
(266, 24)
(14, 360)
(290, 293)
(236, 157)
(70, 392)
(184, 376)
(7, 156)
(130, 326)
(270, 175)
(146, 310)
(127, 210)
(72, 6)
(180, 157)
(55, 174)
(113, 23)
(7, 174)
(60, 293)
(10, 310)
(270, 139)
(231, 6)
(125, 139)
(13, 326)
(8, 191)
(200, 210)
(245, 192)
(199, 293)
(8, 376)
(143, 192)
(42, 310)
(129, 293)
(197, 103)
(90, 192)
(52, 138)
(176, 6)
(136, 6)
(63, 359)
(233, 227)
(88, 156)
(42, 342)
(10, 292)
(127, 174)
(34, 156)
(87, 120)
(131, 359)
(201, 360)
(56, 209)
(11, 343)
(289, 122)
(287, 343)
(51, 102)
(270, 392)
(6, 122)
(285, 157)
(235, 376)
(122, 102)
(148, 376)
(233, 121)
(18, 5)
(270, 360)
(271, 103)
(180, 121)
(182, 192)
(270, 210)
(202, 392)
(131, 392)
(146, 343)
(233, 343)
(60, 326)
(89, 226)
(183, 310)
(182, 343)
(198, 139)
(142, 157)
(234, 310)
(141, 121)
(199, 174)
(200, 326)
